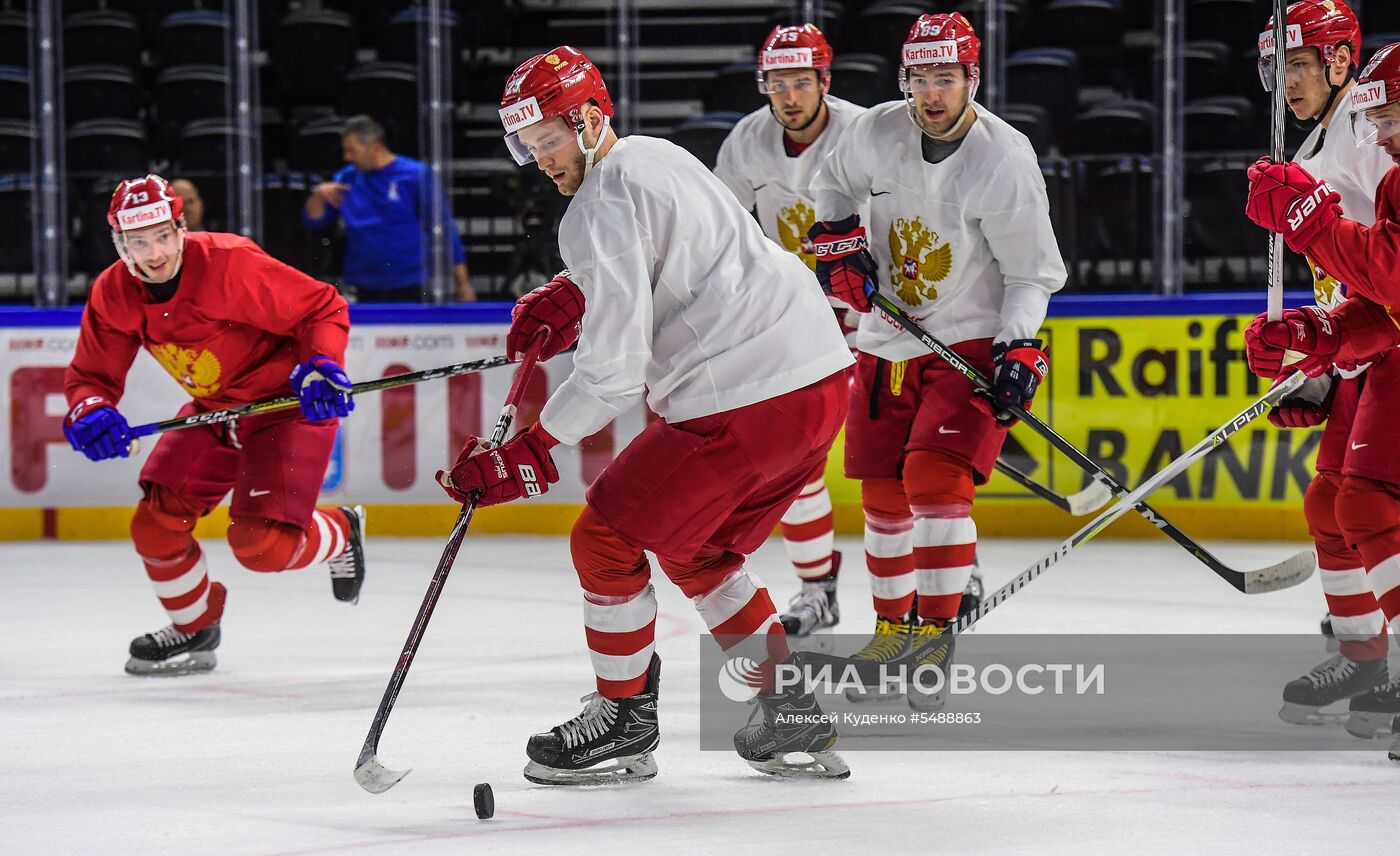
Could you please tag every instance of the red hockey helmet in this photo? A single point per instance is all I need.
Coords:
(1320, 24)
(1379, 86)
(558, 83)
(139, 203)
(941, 40)
(794, 47)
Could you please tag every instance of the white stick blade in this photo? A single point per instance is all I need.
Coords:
(1088, 500)
(1285, 574)
(377, 778)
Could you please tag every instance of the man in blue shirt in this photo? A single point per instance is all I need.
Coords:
(382, 199)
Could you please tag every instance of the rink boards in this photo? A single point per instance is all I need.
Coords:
(1133, 382)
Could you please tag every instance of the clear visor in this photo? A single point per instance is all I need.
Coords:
(146, 245)
(772, 84)
(1294, 71)
(1371, 126)
(943, 79)
(541, 139)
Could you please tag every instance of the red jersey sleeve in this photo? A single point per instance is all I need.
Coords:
(1367, 258)
(269, 295)
(108, 340)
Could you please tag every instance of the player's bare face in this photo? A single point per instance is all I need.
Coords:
(796, 96)
(940, 93)
(1307, 89)
(155, 250)
(555, 148)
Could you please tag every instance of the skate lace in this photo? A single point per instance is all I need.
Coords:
(168, 636)
(597, 717)
(343, 566)
(1334, 671)
(812, 602)
(887, 643)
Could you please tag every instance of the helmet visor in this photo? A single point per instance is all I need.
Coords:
(541, 139)
(1293, 39)
(1371, 126)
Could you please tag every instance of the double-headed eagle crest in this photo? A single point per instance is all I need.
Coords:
(918, 261)
(198, 373)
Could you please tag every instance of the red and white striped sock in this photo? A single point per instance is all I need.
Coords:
(621, 633)
(889, 556)
(741, 617)
(327, 537)
(808, 534)
(182, 584)
(944, 548)
(1357, 620)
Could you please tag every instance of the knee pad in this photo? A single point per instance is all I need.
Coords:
(1368, 510)
(1320, 508)
(264, 545)
(884, 498)
(161, 526)
(938, 485)
(607, 563)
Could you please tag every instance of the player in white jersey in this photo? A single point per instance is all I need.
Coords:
(961, 238)
(1323, 40)
(768, 161)
(673, 293)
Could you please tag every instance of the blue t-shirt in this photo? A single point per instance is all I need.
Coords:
(385, 237)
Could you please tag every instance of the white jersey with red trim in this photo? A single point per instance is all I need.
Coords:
(754, 163)
(687, 301)
(964, 245)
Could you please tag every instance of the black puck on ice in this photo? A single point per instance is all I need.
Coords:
(484, 801)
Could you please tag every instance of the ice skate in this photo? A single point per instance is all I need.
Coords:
(168, 652)
(972, 595)
(889, 645)
(1372, 713)
(1314, 698)
(812, 610)
(348, 569)
(790, 724)
(610, 742)
(933, 648)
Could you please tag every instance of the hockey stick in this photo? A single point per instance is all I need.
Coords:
(372, 775)
(270, 405)
(1276, 118)
(1091, 498)
(1261, 581)
(1289, 572)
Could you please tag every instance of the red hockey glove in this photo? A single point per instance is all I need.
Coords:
(1308, 406)
(556, 306)
(520, 467)
(1309, 331)
(1285, 198)
(1020, 366)
(845, 268)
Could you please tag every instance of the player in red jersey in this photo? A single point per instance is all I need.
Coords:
(1285, 198)
(230, 324)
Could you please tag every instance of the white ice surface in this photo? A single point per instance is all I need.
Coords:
(256, 757)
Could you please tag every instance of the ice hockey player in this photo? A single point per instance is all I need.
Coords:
(671, 292)
(1286, 198)
(768, 160)
(1323, 53)
(230, 324)
(962, 240)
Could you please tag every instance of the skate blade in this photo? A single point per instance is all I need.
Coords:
(1301, 714)
(1394, 753)
(631, 768)
(927, 702)
(1370, 725)
(817, 765)
(192, 663)
(871, 696)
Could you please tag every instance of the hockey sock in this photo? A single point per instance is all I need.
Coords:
(161, 531)
(1369, 513)
(742, 619)
(945, 538)
(889, 547)
(619, 605)
(265, 545)
(1357, 620)
(807, 531)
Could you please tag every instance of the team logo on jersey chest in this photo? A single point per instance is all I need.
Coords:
(919, 261)
(196, 372)
(794, 222)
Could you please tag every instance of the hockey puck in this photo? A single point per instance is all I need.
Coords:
(484, 801)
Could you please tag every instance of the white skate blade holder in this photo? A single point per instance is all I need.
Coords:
(192, 663)
(631, 768)
(804, 765)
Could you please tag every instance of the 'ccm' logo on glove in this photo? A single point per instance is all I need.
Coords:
(843, 247)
